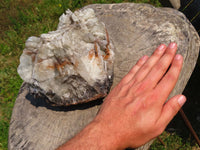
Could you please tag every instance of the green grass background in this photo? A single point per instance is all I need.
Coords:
(20, 19)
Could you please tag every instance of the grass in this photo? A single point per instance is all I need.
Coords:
(20, 19)
(173, 142)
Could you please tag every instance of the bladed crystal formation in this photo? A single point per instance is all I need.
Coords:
(71, 65)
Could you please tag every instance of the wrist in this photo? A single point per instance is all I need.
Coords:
(105, 136)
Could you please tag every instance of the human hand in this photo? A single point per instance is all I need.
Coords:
(135, 111)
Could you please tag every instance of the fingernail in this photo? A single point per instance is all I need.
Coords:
(181, 100)
(172, 45)
(178, 57)
(161, 47)
(144, 58)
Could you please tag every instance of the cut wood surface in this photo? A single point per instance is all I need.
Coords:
(136, 30)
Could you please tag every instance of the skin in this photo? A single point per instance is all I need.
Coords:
(135, 111)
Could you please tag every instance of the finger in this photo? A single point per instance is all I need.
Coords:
(134, 69)
(144, 70)
(170, 109)
(163, 64)
(168, 82)
(123, 91)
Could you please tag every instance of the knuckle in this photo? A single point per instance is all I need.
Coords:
(174, 107)
(170, 52)
(135, 80)
(128, 77)
(152, 99)
(125, 79)
(154, 96)
(133, 69)
(123, 90)
(161, 66)
(142, 86)
(146, 67)
(171, 77)
(157, 53)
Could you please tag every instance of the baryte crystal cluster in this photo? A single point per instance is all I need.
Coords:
(73, 64)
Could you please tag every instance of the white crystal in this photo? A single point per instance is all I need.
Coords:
(73, 64)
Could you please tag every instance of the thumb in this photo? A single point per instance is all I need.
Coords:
(170, 109)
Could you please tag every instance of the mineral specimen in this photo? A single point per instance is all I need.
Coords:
(71, 65)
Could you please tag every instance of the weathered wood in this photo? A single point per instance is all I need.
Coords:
(135, 29)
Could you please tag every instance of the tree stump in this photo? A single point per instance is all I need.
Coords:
(136, 30)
